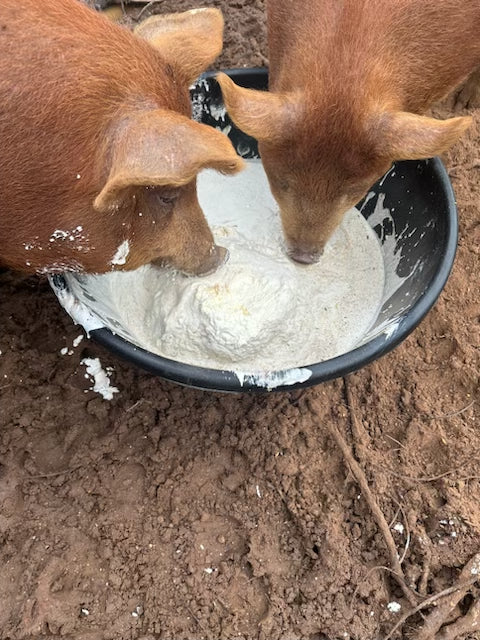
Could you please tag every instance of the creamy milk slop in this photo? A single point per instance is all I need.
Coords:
(260, 311)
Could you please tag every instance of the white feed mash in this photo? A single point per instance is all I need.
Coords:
(260, 311)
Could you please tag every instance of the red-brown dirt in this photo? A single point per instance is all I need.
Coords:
(169, 513)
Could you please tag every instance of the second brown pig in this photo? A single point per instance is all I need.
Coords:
(349, 82)
(99, 156)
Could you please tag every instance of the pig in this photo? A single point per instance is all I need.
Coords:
(99, 155)
(349, 84)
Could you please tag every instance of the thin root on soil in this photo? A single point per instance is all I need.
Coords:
(382, 524)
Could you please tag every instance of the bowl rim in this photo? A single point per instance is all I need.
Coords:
(229, 381)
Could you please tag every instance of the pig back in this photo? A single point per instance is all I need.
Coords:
(423, 47)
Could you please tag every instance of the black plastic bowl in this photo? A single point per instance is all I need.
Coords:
(418, 237)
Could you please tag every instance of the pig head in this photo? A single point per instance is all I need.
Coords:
(349, 82)
(99, 155)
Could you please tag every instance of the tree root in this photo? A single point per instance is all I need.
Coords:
(437, 618)
(466, 624)
(382, 524)
(448, 599)
(435, 626)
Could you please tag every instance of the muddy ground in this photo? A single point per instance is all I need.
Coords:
(169, 513)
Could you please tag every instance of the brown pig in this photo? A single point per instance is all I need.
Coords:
(349, 81)
(99, 156)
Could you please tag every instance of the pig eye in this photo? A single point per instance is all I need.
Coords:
(166, 199)
(163, 197)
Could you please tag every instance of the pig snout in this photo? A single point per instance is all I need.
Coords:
(218, 256)
(304, 256)
(203, 265)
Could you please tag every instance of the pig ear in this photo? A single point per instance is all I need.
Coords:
(263, 115)
(406, 136)
(190, 41)
(162, 148)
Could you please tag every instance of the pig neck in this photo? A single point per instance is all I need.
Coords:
(408, 54)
